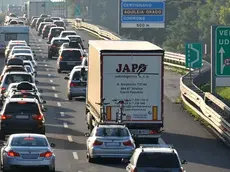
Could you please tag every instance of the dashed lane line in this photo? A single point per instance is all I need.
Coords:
(75, 155)
(65, 125)
(53, 88)
(51, 81)
(56, 95)
(70, 138)
(62, 114)
(49, 74)
(59, 104)
(47, 69)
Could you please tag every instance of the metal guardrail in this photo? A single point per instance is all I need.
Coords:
(210, 108)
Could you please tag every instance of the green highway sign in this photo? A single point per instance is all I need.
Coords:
(78, 10)
(193, 57)
(222, 51)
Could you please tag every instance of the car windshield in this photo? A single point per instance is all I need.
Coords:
(21, 51)
(21, 107)
(158, 160)
(15, 78)
(23, 57)
(71, 55)
(112, 132)
(29, 141)
(68, 33)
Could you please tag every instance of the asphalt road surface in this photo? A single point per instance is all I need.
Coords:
(66, 126)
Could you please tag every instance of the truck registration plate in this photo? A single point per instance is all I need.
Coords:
(139, 131)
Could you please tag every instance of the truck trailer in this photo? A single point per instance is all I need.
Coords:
(130, 71)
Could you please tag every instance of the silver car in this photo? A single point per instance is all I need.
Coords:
(77, 81)
(109, 141)
(27, 150)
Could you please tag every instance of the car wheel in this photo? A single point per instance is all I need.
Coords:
(2, 136)
(69, 97)
(59, 70)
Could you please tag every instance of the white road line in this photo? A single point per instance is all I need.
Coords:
(75, 155)
(51, 80)
(62, 114)
(47, 69)
(46, 65)
(65, 125)
(56, 95)
(49, 74)
(161, 141)
(59, 104)
(44, 61)
(53, 88)
(70, 138)
(40, 50)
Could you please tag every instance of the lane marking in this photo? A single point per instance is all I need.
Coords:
(161, 141)
(53, 88)
(45, 64)
(65, 125)
(49, 74)
(40, 50)
(70, 138)
(47, 69)
(59, 104)
(56, 95)
(44, 61)
(75, 155)
(51, 80)
(62, 114)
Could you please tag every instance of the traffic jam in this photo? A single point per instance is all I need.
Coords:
(23, 112)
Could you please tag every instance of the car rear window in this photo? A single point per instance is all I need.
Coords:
(77, 76)
(68, 33)
(18, 69)
(17, 44)
(112, 132)
(76, 39)
(56, 31)
(158, 160)
(29, 141)
(25, 57)
(21, 51)
(19, 107)
(59, 23)
(60, 42)
(71, 55)
(15, 78)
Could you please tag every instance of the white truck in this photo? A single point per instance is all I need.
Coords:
(126, 70)
(38, 7)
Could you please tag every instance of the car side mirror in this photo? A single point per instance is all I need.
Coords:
(124, 160)
(52, 145)
(44, 102)
(184, 161)
(66, 78)
(87, 134)
(44, 110)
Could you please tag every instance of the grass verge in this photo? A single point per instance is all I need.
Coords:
(196, 117)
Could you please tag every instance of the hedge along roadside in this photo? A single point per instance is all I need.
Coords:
(206, 105)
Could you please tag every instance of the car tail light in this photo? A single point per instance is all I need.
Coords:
(73, 84)
(60, 57)
(38, 117)
(153, 132)
(46, 154)
(3, 89)
(12, 153)
(134, 170)
(128, 143)
(4, 117)
(97, 143)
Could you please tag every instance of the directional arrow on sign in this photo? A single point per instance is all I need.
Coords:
(103, 16)
(221, 51)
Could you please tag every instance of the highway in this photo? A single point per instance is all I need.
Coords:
(66, 126)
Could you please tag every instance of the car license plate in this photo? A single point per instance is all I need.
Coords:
(71, 63)
(140, 131)
(22, 116)
(112, 144)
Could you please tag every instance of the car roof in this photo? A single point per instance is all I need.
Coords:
(71, 49)
(22, 54)
(80, 67)
(60, 38)
(111, 126)
(76, 36)
(17, 73)
(15, 47)
(29, 100)
(70, 31)
(159, 148)
(28, 134)
(58, 28)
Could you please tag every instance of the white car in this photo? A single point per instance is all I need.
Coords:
(27, 62)
(27, 51)
(67, 33)
(25, 56)
(22, 47)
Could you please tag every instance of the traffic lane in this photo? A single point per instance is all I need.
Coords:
(2, 61)
(194, 143)
(55, 129)
(74, 135)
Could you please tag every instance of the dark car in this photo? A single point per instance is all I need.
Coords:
(33, 23)
(41, 26)
(46, 30)
(59, 23)
(68, 58)
(21, 115)
(55, 45)
(54, 32)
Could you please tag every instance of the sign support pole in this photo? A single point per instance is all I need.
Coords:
(119, 17)
(213, 79)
